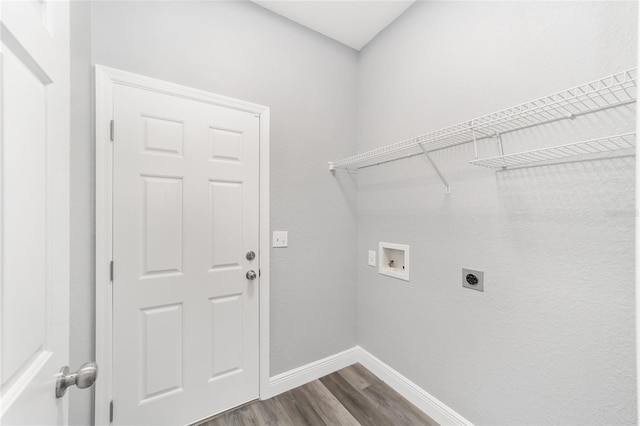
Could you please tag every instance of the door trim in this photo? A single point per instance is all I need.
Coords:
(105, 80)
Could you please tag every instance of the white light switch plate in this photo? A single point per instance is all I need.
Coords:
(372, 258)
(280, 238)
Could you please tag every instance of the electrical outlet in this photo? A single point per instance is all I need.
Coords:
(372, 258)
(473, 279)
(280, 238)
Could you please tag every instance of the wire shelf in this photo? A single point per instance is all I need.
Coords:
(614, 90)
(590, 147)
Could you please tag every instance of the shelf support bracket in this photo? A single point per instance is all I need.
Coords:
(426, 154)
(504, 164)
(475, 142)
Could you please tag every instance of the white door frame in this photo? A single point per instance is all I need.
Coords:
(105, 80)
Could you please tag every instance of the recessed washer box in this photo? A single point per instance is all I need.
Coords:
(393, 260)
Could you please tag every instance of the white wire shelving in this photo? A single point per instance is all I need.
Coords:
(611, 91)
(626, 141)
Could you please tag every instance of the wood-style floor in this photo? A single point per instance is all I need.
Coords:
(352, 396)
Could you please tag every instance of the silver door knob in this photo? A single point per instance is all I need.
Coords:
(83, 378)
(251, 275)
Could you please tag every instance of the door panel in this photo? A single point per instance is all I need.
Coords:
(161, 225)
(225, 145)
(162, 136)
(226, 335)
(34, 215)
(225, 203)
(162, 350)
(185, 210)
(24, 217)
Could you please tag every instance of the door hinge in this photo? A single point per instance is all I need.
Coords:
(111, 271)
(112, 131)
(111, 411)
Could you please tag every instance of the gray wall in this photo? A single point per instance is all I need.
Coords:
(241, 50)
(551, 340)
(82, 198)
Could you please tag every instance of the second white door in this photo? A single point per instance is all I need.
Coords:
(185, 215)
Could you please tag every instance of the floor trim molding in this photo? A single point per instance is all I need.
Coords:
(307, 373)
(422, 399)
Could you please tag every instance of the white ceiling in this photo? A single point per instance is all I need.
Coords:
(351, 22)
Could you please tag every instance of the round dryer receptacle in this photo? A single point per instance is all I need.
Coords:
(472, 279)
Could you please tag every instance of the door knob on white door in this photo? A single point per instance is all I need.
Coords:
(251, 275)
(83, 378)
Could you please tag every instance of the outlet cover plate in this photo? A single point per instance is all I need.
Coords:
(473, 279)
(280, 238)
(372, 258)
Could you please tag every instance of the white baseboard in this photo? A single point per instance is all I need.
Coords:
(422, 399)
(312, 371)
(419, 397)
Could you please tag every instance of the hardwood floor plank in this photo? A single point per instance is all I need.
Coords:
(248, 417)
(231, 418)
(395, 405)
(213, 421)
(327, 406)
(242, 416)
(360, 407)
(358, 376)
(271, 413)
(299, 409)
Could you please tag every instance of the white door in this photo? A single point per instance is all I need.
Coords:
(34, 210)
(185, 214)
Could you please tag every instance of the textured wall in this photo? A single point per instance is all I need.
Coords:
(82, 285)
(551, 340)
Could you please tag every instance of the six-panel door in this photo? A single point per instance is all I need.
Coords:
(34, 210)
(185, 212)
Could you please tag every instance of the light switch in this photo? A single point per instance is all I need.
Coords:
(280, 238)
(372, 258)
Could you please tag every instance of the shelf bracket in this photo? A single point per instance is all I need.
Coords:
(475, 142)
(426, 154)
(504, 163)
